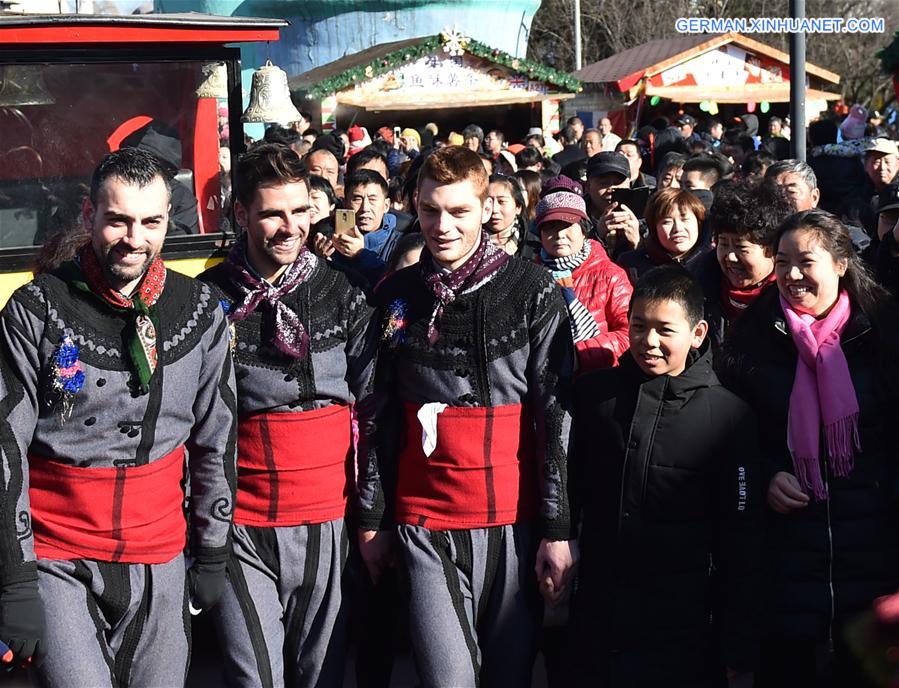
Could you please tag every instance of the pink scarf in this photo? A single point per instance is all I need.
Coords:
(822, 391)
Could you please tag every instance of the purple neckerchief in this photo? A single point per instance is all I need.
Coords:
(445, 286)
(291, 337)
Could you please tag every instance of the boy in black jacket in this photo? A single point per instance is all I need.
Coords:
(671, 539)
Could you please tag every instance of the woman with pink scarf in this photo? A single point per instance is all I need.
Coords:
(818, 359)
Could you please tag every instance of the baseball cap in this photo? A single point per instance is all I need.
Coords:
(888, 198)
(885, 146)
(561, 205)
(687, 119)
(606, 162)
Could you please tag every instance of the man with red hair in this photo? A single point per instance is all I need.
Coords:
(468, 477)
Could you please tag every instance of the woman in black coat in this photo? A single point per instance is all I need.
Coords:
(833, 516)
(674, 219)
(744, 219)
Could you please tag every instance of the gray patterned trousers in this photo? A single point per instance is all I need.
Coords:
(473, 604)
(112, 624)
(283, 618)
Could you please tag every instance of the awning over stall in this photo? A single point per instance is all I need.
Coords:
(448, 70)
(726, 68)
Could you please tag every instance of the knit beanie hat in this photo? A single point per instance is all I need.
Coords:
(561, 183)
(412, 134)
(561, 205)
(853, 127)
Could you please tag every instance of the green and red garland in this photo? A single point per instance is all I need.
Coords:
(456, 44)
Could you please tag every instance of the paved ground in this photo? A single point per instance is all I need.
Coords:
(206, 664)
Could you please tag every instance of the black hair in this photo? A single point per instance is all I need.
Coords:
(671, 283)
(757, 162)
(312, 132)
(725, 166)
(858, 282)
(514, 188)
(317, 183)
(698, 147)
(395, 189)
(528, 156)
(266, 163)
(671, 159)
(473, 131)
(628, 142)
(366, 155)
(517, 194)
(541, 142)
(501, 165)
(133, 166)
(750, 208)
(364, 177)
(533, 184)
(735, 137)
(576, 170)
(568, 136)
(283, 135)
(709, 169)
(403, 245)
(381, 146)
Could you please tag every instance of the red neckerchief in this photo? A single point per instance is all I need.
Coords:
(144, 323)
(148, 292)
(735, 301)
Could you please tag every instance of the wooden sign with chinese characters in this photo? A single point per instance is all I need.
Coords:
(729, 65)
(439, 80)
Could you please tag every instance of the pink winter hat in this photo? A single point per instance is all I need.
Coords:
(853, 127)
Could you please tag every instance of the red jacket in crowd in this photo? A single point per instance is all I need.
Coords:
(605, 291)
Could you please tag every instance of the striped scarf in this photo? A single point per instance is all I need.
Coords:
(583, 324)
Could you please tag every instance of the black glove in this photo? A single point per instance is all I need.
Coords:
(22, 619)
(207, 583)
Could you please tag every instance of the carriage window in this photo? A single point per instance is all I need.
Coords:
(58, 120)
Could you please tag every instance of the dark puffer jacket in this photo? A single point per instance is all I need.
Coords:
(650, 255)
(828, 560)
(671, 528)
(707, 272)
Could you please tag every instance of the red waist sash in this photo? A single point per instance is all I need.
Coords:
(482, 472)
(292, 467)
(131, 514)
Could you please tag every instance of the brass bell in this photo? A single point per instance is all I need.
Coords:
(270, 97)
(215, 81)
(24, 85)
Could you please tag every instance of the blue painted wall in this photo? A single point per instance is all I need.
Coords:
(321, 31)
